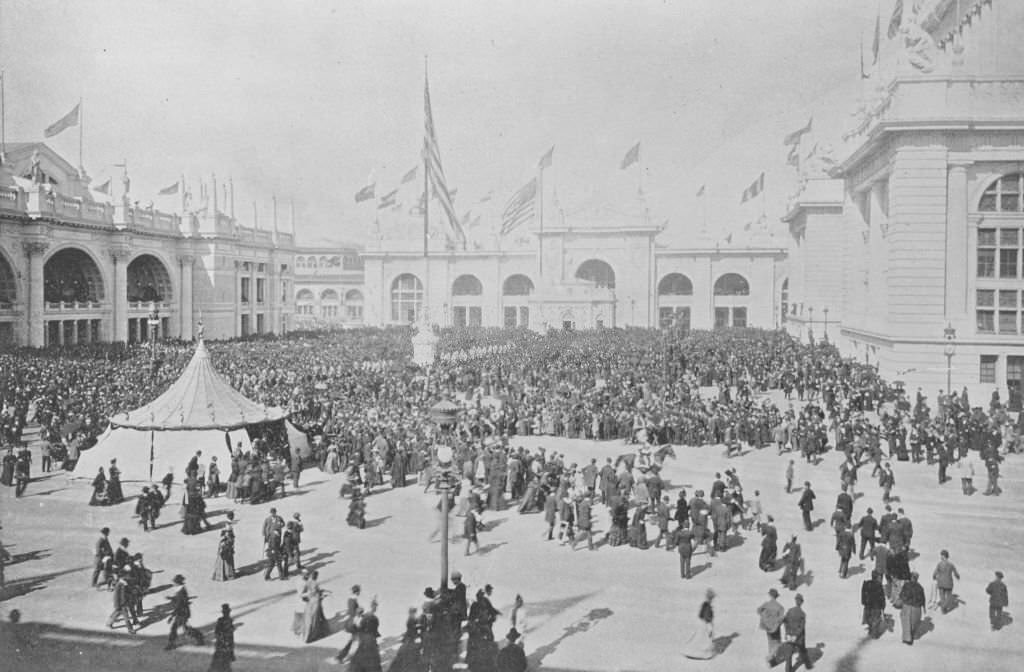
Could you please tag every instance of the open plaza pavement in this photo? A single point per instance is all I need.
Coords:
(611, 610)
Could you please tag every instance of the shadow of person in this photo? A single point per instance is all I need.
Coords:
(855, 570)
(926, 626)
(723, 642)
(816, 653)
(376, 521)
(694, 571)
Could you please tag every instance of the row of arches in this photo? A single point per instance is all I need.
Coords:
(329, 305)
(71, 275)
(730, 284)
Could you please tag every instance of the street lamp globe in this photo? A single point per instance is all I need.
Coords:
(444, 455)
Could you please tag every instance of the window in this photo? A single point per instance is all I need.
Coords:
(467, 285)
(476, 316)
(459, 316)
(987, 372)
(1003, 195)
(260, 289)
(524, 316)
(406, 298)
(1009, 311)
(985, 300)
(245, 290)
(998, 307)
(510, 317)
(732, 284)
(739, 317)
(721, 318)
(986, 253)
(675, 284)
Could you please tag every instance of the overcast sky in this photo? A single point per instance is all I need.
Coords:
(306, 99)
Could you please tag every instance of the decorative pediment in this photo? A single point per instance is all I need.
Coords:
(37, 162)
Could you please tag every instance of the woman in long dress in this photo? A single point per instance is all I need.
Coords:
(224, 565)
(618, 534)
(409, 657)
(701, 645)
(99, 489)
(367, 653)
(638, 528)
(114, 493)
(314, 622)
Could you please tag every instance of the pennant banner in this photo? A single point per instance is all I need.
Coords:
(366, 193)
(411, 175)
(794, 137)
(67, 121)
(167, 191)
(388, 200)
(631, 157)
(103, 188)
(756, 187)
(545, 161)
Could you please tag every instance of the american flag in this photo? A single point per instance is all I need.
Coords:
(435, 171)
(520, 207)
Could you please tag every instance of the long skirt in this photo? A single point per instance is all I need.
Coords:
(910, 619)
(224, 568)
(700, 645)
(617, 535)
(314, 625)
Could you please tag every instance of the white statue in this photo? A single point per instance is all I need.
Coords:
(918, 45)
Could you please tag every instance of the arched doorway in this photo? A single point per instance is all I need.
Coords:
(732, 293)
(467, 310)
(147, 283)
(72, 294)
(8, 297)
(515, 292)
(406, 298)
(675, 298)
(304, 301)
(596, 272)
(330, 305)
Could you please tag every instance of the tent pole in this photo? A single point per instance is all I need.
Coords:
(151, 456)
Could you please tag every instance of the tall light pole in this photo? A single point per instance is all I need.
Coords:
(154, 324)
(810, 327)
(826, 324)
(950, 349)
(444, 462)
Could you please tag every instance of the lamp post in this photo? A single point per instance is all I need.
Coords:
(444, 413)
(810, 327)
(154, 324)
(950, 349)
(826, 324)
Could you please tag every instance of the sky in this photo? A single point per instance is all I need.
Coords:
(309, 100)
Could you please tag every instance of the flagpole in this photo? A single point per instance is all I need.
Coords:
(3, 122)
(540, 215)
(81, 133)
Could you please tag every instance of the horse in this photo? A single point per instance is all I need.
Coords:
(658, 457)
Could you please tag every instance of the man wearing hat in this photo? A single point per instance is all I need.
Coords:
(511, 658)
(998, 599)
(122, 601)
(180, 613)
(806, 505)
(223, 642)
(913, 599)
(103, 557)
(771, 614)
(795, 621)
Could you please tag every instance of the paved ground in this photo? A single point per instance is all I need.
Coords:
(614, 609)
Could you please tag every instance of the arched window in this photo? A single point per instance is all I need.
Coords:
(329, 295)
(330, 304)
(597, 272)
(517, 285)
(1004, 195)
(304, 302)
(8, 284)
(675, 284)
(467, 285)
(72, 275)
(311, 262)
(148, 280)
(406, 298)
(300, 262)
(354, 305)
(732, 284)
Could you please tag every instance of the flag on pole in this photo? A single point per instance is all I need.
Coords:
(877, 41)
(700, 192)
(631, 157)
(366, 193)
(411, 175)
(103, 188)
(388, 200)
(755, 188)
(67, 121)
(520, 207)
(896, 20)
(863, 73)
(545, 161)
(435, 171)
(167, 191)
(794, 137)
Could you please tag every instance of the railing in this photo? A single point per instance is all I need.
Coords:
(71, 306)
(146, 306)
(11, 198)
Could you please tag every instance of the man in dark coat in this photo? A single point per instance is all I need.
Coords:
(844, 502)
(795, 622)
(684, 546)
(180, 614)
(998, 599)
(867, 526)
(122, 602)
(585, 523)
(872, 598)
(913, 601)
(104, 555)
(806, 505)
(511, 657)
(845, 545)
(769, 545)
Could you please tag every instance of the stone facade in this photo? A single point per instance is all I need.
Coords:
(329, 286)
(79, 266)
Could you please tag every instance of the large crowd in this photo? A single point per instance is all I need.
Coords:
(374, 415)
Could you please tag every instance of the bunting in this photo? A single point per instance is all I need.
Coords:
(388, 200)
(755, 188)
(545, 161)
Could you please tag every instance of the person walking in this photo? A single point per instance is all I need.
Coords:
(122, 601)
(790, 473)
(664, 514)
(794, 563)
(795, 622)
(180, 614)
(585, 523)
(771, 615)
(275, 556)
(684, 546)
(224, 565)
(104, 555)
(872, 599)
(998, 599)
(769, 545)
(845, 545)
(806, 505)
(701, 645)
(912, 601)
(223, 641)
(868, 528)
(943, 576)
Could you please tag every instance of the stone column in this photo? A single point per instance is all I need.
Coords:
(186, 328)
(252, 297)
(236, 328)
(34, 251)
(956, 243)
(119, 297)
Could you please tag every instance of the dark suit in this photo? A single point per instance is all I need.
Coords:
(104, 556)
(795, 621)
(806, 505)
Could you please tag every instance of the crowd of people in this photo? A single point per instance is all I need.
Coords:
(373, 416)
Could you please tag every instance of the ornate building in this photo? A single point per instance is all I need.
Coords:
(924, 262)
(328, 287)
(599, 267)
(77, 266)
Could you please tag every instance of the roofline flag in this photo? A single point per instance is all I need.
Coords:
(366, 193)
(167, 191)
(896, 20)
(545, 161)
(794, 137)
(103, 188)
(877, 42)
(435, 170)
(520, 207)
(631, 157)
(67, 121)
(700, 192)
(411, 175)
(755, 188)
(387, 200)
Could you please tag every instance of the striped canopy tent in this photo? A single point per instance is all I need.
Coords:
(200, 411)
